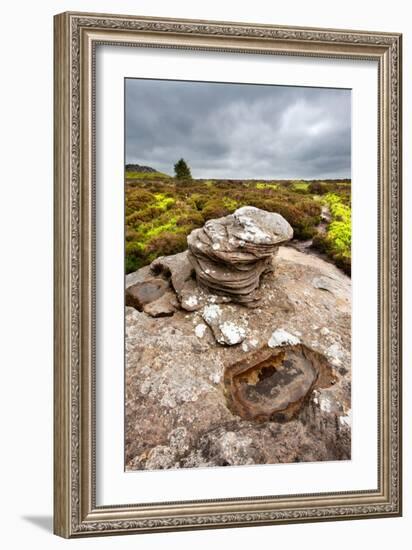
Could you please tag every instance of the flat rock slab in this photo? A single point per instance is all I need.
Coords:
(164, 306)
(178, 411)
(143, 293)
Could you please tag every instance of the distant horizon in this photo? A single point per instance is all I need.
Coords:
(237, 177)
(233, 178)
(239, 131)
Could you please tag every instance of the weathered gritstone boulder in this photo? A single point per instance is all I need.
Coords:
(230, 254)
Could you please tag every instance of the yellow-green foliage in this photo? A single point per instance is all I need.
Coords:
(338, 238)
(156, 230)
(161, 211)
(339, 231)
(338, 209)
(163, 202)
(300, 186)
(263, 185)
(230, 204)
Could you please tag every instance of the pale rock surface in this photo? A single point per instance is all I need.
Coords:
(226, 324)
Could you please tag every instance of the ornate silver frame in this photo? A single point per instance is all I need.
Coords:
(75, 38)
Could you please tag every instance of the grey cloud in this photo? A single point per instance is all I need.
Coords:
(239, 130)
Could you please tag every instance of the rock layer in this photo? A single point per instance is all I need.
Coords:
(230, 254)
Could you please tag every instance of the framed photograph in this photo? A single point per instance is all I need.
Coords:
(227, 274)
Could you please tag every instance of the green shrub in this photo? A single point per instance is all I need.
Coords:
(167, 243)
(135, 198)
(318, 187)
(198, 201)
(300, 186)
(230, 204)
(214, 209)
(190, 219)
(133, 264)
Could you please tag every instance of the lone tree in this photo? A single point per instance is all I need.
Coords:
(182, 170)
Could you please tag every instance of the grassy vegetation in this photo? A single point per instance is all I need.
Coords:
(161, 211)
(146, 175)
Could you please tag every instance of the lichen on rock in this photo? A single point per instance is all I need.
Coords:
(225, 324)
(281, 337)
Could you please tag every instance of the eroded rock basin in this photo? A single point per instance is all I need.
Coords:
(273, 383)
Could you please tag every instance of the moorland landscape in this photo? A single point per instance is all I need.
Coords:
(162, 210)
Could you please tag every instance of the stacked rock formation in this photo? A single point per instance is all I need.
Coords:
(230, 254)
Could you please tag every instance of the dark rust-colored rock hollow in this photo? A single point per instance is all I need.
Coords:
(273, 383)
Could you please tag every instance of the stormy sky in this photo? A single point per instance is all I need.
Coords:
(239, 130)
